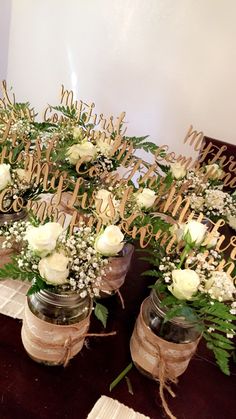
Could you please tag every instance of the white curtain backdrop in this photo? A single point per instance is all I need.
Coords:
(167, 63)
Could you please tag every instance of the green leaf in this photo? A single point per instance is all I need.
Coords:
(173, 312)
(101, 313)
(152, 273)
(120, 376)
(222, 323)
(220, 337)
(222, 359)
(140, 143)
(37, 286)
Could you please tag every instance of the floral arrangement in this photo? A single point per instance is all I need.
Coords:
(51, 259)
(205, 190)
(192, 287)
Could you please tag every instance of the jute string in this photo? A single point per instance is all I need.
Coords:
(69, 343)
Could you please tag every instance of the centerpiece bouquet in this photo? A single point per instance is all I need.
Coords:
(192, 298)
(64, 273)
(192, 286)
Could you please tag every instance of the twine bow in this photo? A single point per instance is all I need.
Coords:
(69, 343)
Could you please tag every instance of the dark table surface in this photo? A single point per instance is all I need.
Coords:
(31, 390)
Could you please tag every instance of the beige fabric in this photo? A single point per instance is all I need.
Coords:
(50, 342)
(108, 408)
(13, 297)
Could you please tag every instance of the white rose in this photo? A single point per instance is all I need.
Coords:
(146, 198)
(43, 239)
(22, 174)
(110, 242)
(178, 170)
(194, 232)
(214, 171)
(185, 283)
(78, 133)
(85, 150)
(104, 209)
(105, 146)
(54, 268)
(5, 175)
(215, 199)
(232, 221)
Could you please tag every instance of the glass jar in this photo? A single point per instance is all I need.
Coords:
(55, 325)
(159, 348)
(67, 308)
(11, 217)
(116, 271)
(177, 330)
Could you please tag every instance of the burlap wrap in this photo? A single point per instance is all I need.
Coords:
(162, 360)
(52, 343)
(116, 270)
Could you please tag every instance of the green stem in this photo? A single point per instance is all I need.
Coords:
(183, 255)
(120, 376)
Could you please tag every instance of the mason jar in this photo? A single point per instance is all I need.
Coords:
(115, 271)
(55, 326)
(156, 344)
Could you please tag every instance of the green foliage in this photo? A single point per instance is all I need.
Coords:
(220, 349)
(11, 270)
(213, 319)
(141, 143)
(33, 219)
(43, 126)
(68, 111)
(165, 169)
(101, 313)
(38, 285)
(151, 273)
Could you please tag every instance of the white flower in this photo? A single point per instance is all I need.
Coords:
(194, 232)
(54, 268)
(5, 175)
(110, 242)
(185, 283)
(215, 199)
(85, 150)
(232, 221)
(104, 209)
(78, 133)
(22, 174)
(146, 198)
(197, 202)
(214, 171)
(220, 286)
(178, 170)
(105, 146)
(42, 240)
